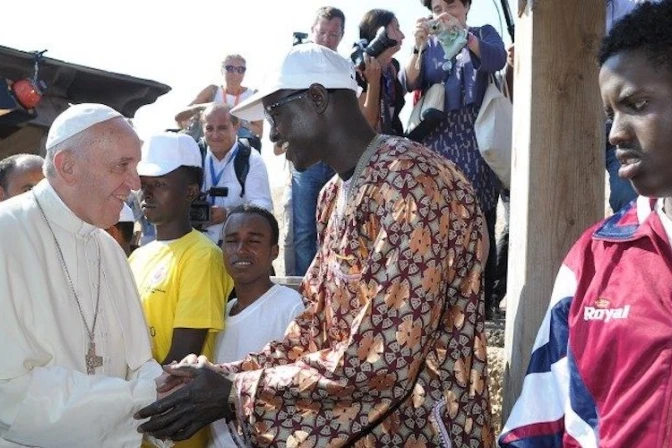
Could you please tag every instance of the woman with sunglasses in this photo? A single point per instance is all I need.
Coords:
(231, 92)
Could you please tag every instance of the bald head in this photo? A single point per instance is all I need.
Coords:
(219, 110)
(219, 129)
(19, 173)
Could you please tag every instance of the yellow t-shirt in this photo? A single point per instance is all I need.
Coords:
(182, 284)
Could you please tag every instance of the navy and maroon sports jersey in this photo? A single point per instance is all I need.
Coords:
(600, 373)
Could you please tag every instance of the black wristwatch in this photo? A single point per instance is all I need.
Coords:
(416, 51)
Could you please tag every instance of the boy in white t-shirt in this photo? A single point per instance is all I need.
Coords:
(262, 310)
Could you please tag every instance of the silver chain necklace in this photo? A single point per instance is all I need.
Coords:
(91, 359)
(363, 162)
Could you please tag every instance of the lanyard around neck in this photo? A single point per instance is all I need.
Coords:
(216, 177)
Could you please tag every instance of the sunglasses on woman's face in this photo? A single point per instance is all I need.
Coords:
(233, 68)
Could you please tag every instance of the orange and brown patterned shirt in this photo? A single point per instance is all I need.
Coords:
(394, 328)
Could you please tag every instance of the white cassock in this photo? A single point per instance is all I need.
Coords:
(46, 397)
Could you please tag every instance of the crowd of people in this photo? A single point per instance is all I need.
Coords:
(129, 255)
(383, 83)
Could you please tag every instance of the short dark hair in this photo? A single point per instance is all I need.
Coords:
(648, 28)
(9, 164)
(328, 13)
(372, 21)
(428, 3)
(247, 209)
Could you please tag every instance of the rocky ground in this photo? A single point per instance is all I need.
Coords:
(495, 333)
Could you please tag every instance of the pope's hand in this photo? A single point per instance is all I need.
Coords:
(166, 384)
(193, 361)
(173, 378)
(202, 399)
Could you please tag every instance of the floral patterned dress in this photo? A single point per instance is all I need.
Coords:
(392, 344)
(465, 83)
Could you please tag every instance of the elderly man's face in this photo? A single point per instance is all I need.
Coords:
(638, 96)
(106, 173)
(23, 178)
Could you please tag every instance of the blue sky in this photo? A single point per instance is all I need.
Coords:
(183, 45)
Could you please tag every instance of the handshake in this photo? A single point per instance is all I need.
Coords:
(191, 394)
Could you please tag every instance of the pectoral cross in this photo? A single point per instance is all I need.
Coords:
(92, 360)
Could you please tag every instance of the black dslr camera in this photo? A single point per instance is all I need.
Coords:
(380, 43)
(299, 38)
(199, 212)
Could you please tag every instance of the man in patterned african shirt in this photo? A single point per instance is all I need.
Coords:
(391, 349)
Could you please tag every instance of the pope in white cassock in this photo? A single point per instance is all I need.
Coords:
(75, 359)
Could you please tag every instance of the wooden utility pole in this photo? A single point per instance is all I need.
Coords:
(558, 161)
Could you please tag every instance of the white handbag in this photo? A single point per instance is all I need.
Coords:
(494, 131)
(427, 113)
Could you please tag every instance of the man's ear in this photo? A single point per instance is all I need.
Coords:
(275, 250)
(319, 97)
(64, 164)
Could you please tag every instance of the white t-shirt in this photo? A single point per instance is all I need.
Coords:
(248, 332)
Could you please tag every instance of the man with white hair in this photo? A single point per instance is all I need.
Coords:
(76, 360)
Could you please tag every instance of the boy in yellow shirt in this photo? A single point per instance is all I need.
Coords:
(181, 276)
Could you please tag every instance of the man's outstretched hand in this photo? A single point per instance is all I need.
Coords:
(203, 399)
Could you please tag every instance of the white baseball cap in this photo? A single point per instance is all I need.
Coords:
(304, 65)
(166, 152)
(126, 214)
(76, 119)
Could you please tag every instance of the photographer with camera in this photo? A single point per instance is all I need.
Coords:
(478, 53)
(377, 72)
(301, 202)
(233, 173)
(181, 278)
